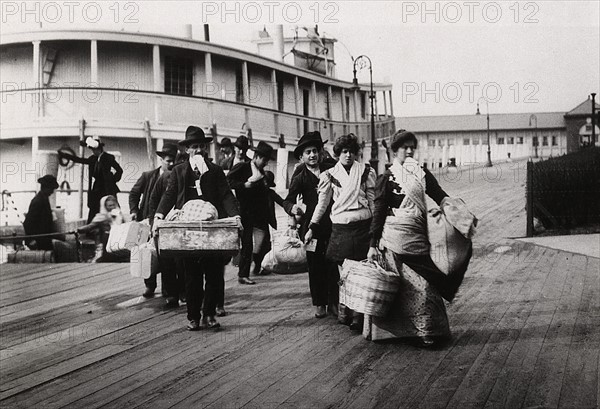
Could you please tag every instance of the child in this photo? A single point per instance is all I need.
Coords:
(110, 214)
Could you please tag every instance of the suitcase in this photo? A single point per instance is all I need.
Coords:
(199, 238)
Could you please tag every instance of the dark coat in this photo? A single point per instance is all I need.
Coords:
(181, 189)
(274, 198)
(143, 188)
(102, 181)
(305, 183)
(39, 221)
(160, 187)
(226, 163)
(254, 201)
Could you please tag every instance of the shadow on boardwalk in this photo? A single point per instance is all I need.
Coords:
(525, 334)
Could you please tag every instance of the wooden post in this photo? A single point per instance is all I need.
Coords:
(148, 136)
(81, 153)
(529, 198)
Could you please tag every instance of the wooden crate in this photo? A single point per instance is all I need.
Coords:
(196, 238)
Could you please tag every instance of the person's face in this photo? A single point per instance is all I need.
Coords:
(310, 156)
(196, 149)
(347, 157)
(225, 150)
(97, 151)
(260, 161)
(167, 162)
(239, 152)
(407, 150)
(110, 204)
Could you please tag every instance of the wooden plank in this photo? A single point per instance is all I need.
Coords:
(65, 280)
(549, 369)
(479, 381)
(22, 310)
(11, 388)
(579, 389)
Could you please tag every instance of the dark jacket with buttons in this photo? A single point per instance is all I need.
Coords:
(181, 188)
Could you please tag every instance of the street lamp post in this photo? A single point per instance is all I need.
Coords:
(361, 61)
(487, 114)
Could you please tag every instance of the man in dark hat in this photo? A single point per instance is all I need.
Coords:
(199, 178)
(240, 147)
(39, 216)
(99, 169)
(322, 274)
(143, 189)
(226, 154)
(247, 179)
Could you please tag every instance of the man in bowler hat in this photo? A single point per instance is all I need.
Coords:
(247, 179)
(39, 216)
(140, 210)
(199, 178)
(226, 154)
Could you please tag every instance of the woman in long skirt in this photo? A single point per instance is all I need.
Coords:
(350, 185)
(400, 227)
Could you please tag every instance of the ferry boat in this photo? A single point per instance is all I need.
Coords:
(137, 91)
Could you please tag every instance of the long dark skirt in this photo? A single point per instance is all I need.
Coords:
(349, 241)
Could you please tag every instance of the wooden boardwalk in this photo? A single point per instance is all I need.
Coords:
(526, 334)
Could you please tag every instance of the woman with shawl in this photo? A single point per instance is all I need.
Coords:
(399, 226)
(110, 214)
(350, 185)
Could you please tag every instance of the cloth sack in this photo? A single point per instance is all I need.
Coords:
(195, 210)
(450, 229)
(290, 249)
(124, 237)
(144, 260)
(271, 265)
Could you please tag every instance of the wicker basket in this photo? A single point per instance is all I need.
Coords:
(367, 288)
(199, 238)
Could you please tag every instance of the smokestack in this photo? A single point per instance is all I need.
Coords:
(188, 31)
(206, 33)
(278, 42)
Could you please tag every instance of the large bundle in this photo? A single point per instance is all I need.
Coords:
(288, 255)
(198, 210)
(367, 288)
(450, 230)
(199, 238)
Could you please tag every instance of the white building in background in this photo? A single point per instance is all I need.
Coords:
(462, 139)
(137, 91)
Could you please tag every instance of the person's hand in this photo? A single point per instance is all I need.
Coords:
(296, 210)
(248, 185)
(308, 237)
(155, 225)
(374, 254)
(133, 216)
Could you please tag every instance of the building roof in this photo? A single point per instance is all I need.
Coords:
(585, 108)
(467, 123)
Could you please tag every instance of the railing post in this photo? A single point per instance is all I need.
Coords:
(529, 198)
